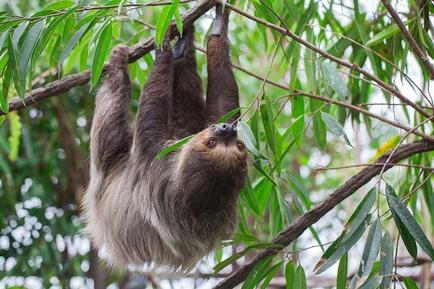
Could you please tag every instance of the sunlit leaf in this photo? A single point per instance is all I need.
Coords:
(15, 135)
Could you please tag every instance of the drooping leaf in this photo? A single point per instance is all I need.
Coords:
(72, 42)
(257, 274)
(29, 45)
(164, 21)
(248, 138)
(360, 213)
(335, 127)
(410, 284)
(300, 278)
(400, 210)
(330, 257)
(290, 274)
(371, 283)
(386, 259)
(341, 280)
(15, 135)
(372, 247)
(101, 52)
(333, 78)
(178, 21)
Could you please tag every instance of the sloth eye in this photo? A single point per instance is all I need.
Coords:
(211, 142)
(240, 145)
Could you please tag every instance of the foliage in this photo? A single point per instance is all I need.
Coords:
(290, 133)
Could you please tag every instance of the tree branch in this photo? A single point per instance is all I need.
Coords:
(414, 46)
(311, 217)
(333, 58)
(137, 51)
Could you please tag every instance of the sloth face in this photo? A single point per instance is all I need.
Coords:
(221, 145)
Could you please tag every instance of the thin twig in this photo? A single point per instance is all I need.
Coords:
(331, 57)
(416, 49)
(373, 165)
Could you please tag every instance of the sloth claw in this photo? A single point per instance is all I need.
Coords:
(218, 24)
(179, 48)
(119, 55)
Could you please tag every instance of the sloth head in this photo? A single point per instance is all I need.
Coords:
(218, 146)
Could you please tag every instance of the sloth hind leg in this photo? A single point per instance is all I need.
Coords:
(110, 133)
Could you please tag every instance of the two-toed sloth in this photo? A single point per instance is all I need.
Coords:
(173, 211)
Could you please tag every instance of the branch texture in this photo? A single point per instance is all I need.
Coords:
(137, 51)
(416, 49)
(311, 217)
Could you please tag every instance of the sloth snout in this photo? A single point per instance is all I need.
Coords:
(225, 130)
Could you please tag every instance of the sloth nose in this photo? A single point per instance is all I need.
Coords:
(225, 129)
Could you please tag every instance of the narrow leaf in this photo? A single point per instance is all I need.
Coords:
(72, 42)
(100, 53)
(409, 283)
(173, 147)
(386, 259)
(335, 127)
(334, 79)
(400, 210)
(341, 280)
(290, 274)
(342, 248)
(372, 247)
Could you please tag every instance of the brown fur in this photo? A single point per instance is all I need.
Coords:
(173, 211)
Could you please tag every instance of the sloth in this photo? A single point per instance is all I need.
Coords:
(172, 211)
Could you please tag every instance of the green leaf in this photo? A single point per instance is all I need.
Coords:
(300, 278)
(386, 259)
(248, 138)
(179, 23)
(372, 247)
(269, 125)
(100, 53)
(59, 5)
(290, 274)
(335, 127)
(371, 283)
(400, 210)
(330, 257)
(257, 274)
(360, 214)
(3, 38)
(4, 104)
(384, 34)
(15, 135)
(229, 115)
(72, 42)
(173, 147)
(270, 275)
(13, 54)
(30, 42)
(409, 283)
(333, 78)
(164, 21)
(341, 280)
